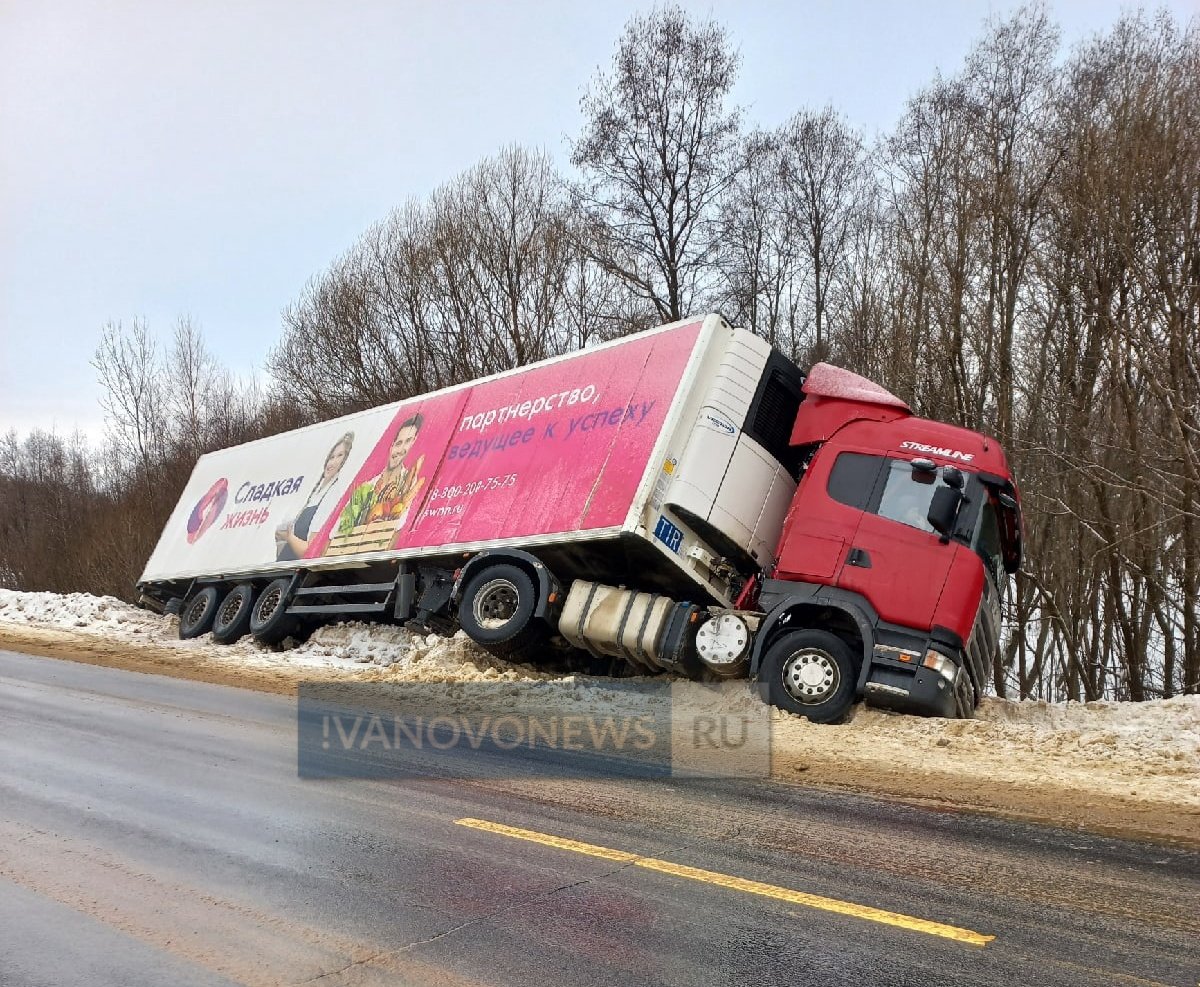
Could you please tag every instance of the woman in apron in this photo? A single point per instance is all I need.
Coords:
(291, 541)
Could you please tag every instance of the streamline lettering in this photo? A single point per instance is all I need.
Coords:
(962, 457)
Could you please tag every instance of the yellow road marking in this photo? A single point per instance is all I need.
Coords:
(558, 842)
(735, 883)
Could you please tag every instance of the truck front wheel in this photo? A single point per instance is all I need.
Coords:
(233, 615)
(496, 609)
(810, 673)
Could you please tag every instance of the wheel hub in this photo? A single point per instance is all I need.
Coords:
(811, 676)
(495, 604)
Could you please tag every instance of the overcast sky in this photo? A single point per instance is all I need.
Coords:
(207, 158)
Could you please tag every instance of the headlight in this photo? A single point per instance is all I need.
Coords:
(947, 668)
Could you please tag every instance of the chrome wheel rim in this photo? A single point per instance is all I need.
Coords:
(811, 676)
(495, 604)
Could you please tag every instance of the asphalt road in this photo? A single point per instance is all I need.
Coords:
(155, 830)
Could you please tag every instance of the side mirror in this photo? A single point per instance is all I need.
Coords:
(952, 477)
(943, 510)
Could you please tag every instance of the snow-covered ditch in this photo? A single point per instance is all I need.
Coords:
(1132, 767)
(348, 647)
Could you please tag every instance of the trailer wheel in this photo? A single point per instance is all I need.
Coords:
(270, 622)
(197, 615)
(233, 615)
(810, 673)
(496, 609)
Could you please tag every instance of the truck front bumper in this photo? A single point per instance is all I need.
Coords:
(899, 679)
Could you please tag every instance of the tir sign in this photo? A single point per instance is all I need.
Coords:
(668, 534)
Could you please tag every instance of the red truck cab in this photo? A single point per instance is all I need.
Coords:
(893, 561)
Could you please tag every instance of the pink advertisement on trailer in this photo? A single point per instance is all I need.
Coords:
(548, 449)
(556, 448)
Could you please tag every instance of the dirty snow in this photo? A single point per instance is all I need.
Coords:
(349, 646)
(1149, 749)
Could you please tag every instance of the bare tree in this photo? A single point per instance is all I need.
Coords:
(760, 255)
(127, 362)
(825, 180)
(656, 153)
(486, 276)
(192, 378)
(925, 163)
(501, 239)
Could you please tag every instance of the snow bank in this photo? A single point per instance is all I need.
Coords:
(411, 657)
(1136, 750)
(77, 610)
(1161, 736)
(351, 646)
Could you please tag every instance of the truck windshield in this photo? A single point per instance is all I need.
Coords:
(907, 494)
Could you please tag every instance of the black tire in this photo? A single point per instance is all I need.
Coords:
(270, 622)
(810, 673)
(233, 615)
(197, 615)
(496, 609)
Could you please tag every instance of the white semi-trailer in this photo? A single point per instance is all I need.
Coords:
(658, 459)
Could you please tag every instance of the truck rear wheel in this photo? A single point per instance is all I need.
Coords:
(233, 616)
(810, 673)
(496, 609)
(198, 613)
(270, 622)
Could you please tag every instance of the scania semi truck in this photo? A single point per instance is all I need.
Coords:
(683, 500)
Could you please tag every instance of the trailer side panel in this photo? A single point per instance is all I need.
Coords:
(554, 448)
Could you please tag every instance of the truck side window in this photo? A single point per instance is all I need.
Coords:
(906, 499)
(852, 479)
